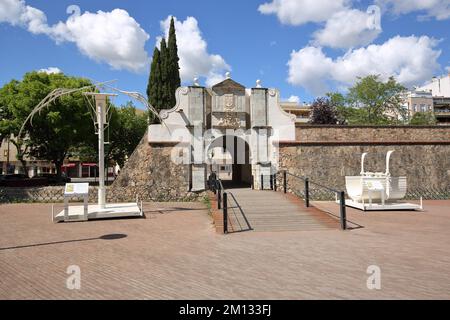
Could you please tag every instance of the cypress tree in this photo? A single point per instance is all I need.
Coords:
(165, 78)
(173, 65)
(154, 88)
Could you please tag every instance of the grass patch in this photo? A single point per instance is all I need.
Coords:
(207, 202)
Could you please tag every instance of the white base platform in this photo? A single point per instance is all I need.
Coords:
(112, 210)
(388, 206)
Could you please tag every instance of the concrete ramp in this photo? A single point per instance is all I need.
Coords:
(276, 211)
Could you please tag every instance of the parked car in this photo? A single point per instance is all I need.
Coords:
(12, 179)
(52, 178)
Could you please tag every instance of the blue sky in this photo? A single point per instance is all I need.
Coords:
(303, 47)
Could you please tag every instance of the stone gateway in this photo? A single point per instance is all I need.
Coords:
(180, 153)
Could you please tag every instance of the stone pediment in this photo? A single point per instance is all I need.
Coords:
(228, 86)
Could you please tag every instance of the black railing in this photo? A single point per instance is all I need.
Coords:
(223, 203)
(307, 194)
(272, 181)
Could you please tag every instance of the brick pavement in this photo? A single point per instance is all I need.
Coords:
(176, 254)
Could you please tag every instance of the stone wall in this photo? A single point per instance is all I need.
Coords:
(41, 194)
(151, 175)
(327, 154)
(315, 133)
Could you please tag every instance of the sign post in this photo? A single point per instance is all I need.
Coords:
(76, 190)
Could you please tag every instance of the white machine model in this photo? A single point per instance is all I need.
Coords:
(378, 190)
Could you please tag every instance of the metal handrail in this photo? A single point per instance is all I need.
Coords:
(217, 187)
(307, 181)
(314, 183)
(240, 209)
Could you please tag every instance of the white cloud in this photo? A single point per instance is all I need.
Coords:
(298, 12)
(411, 60)
(346, 29)
(343, 27)
(195, 61)
(111, 37)
(439, 9)
(17, 13)
(51, 70)
(295, 99)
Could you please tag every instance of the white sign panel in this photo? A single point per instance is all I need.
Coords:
(76, 188)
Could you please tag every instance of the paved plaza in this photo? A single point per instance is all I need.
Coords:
(175, 253)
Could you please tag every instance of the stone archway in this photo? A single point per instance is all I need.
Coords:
(239, 158)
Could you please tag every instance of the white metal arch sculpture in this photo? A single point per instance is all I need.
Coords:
(59, 92)
(100, 110)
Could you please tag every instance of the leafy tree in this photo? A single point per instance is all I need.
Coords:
(128, 126)
(382, 101)
(11, 117)
(339, 101)
(56, 129)
(323, 112)
(173, 64)
(423, 118)
(353, 116)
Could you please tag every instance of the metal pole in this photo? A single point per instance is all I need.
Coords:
(307, 192)
(253, 182)
(225, 213)
(262, 182)
(7, 159)
(219, 196)
(275, 182)
(101, 152)
(285, 181)
(343, 213)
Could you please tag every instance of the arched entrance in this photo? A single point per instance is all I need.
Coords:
(230, 158)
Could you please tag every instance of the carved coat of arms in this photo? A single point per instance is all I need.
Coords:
(230, 118)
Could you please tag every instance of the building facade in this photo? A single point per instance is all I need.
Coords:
(302, 113)
(418, 101)
(10, 165)
(439, 88)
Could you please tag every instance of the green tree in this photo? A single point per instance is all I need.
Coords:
(164, 76)
(381, 101)
(127, 125)
(173, 63)
(165, 85)
(127, 129)
(339, 101)
(154, 88)
(423, 118)
(11, 117)
(56, 129)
